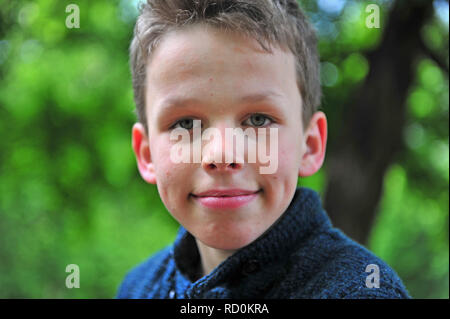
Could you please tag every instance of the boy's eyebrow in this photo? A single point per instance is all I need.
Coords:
(175, 102)
(261, 97)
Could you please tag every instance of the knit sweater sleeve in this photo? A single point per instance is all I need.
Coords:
(362, 266)
(144, 277)
(377, 293)
(339, 268)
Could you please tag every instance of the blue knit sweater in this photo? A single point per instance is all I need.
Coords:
(300, 256)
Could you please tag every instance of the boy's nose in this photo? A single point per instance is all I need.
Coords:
(210, 165)
(221, 158)
(220, 155)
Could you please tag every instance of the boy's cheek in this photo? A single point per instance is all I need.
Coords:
(164, 168)
(286, 156)
(174, 183)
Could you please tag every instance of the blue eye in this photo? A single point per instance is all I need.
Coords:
(186, 123)
(258, 120)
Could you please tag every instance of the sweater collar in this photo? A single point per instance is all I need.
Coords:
(303, 217)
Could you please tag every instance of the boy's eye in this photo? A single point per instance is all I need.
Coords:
(258, 120)
(186, 123)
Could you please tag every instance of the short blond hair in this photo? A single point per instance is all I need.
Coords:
(270, 22)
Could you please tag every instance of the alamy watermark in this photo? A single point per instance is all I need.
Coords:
(190, 149)
(373, 19)
(373, 280)
(73, 280)
(73, 19)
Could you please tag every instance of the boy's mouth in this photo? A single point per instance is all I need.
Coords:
(228, 192)
(225, 198)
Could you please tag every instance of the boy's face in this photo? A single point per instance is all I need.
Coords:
(213, 72)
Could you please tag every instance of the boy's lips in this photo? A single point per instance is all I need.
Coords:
(228, 192)
(225, 198)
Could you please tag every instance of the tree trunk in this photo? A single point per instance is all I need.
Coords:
(374, 121)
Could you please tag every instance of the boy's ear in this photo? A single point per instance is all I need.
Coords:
(315, 138)
(141, 148)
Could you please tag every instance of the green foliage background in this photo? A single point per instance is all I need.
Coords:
(69, 188)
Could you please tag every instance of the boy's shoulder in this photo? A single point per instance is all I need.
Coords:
(332, 265)
(137, 280)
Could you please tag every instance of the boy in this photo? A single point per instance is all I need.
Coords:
(250, 65)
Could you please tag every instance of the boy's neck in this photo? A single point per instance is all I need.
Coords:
(211, 257)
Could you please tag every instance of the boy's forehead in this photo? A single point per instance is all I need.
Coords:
(204, 60)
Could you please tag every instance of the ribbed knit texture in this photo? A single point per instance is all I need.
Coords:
(300, 256)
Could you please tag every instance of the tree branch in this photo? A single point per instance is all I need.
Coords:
(433, 56)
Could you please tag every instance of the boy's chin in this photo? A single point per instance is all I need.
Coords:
(232, 242)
